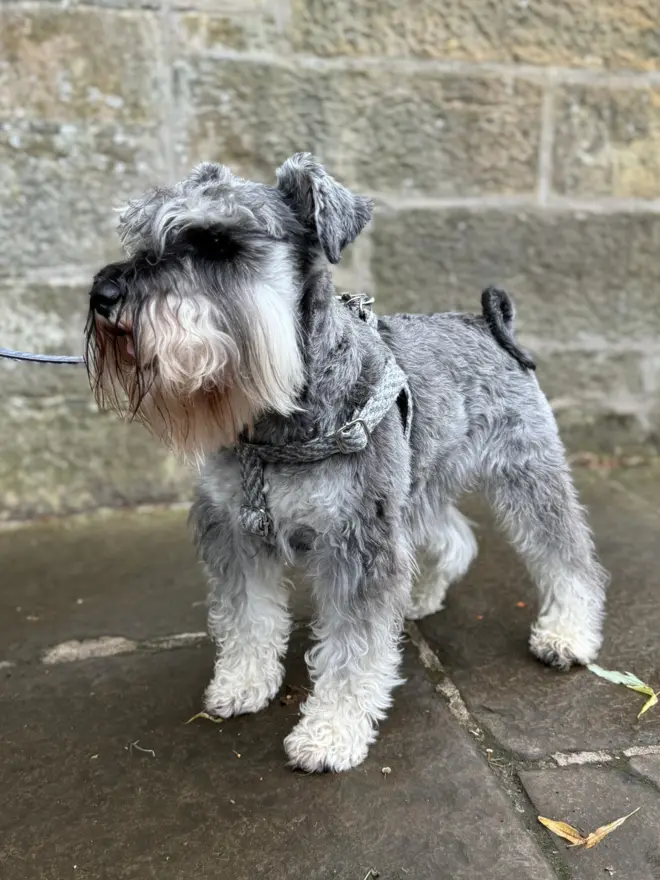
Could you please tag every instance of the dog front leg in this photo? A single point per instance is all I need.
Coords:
(248, 614)
(355, 663)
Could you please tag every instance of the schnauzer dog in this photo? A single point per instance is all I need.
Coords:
(331, 440)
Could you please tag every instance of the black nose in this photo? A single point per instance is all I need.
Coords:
(104, 295)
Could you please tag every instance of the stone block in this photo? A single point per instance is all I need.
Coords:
(607, 142)
(47, 317)
(596, 34)
(62, 455)
(601, 397)
(59, 185)
(589, 797)
(248, 26)
(573, 276)
(418, 133)
(70, 65)
(439, 813)
(587, 283)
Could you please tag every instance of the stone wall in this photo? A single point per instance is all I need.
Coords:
(515, 142)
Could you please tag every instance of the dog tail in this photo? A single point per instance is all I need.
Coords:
(499, 313)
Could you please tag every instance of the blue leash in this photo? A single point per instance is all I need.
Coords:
(41, 358)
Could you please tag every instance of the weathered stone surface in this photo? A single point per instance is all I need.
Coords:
(82, 64)
(109, 4)
(246, 26)
(423, 132)
(594, 34)
(602, 398)
(59, 185)
(647, 766)
(588, 798)
(573, 276)
(481, 637)
(47, 317)
(582, 376)
(584, 281)
(607, 142)
(118, 573)
(60, 455)
(218, 801)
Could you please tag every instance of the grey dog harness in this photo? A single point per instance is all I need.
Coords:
(349, 438)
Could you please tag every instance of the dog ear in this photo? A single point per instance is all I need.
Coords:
(334, 213)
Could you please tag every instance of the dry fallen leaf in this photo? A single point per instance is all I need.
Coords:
(206, 716)
(563, 829)
(630, 681)
(597, 835)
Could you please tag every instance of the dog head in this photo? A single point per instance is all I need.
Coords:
(195, 333)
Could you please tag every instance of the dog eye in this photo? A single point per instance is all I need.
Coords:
(212, 244)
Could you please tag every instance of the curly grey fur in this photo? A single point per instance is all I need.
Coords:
(354, 522)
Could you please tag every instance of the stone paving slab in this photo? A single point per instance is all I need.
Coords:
(647, 766)
(588, 797)
(119, 573)
(122, 573)
(481, 636)
(78, 803)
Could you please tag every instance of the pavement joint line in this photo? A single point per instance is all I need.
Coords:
(75, 650)
(571, 759)
(506, 765)
(445, 686)
(641, 751)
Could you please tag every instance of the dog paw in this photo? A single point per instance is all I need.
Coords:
(242, 690)
(323, 742)
(423, 606)
(426, 599)
(562, 648)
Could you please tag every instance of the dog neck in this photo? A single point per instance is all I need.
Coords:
(343, 362)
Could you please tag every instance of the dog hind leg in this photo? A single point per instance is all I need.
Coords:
(536, 503)
(451, 544)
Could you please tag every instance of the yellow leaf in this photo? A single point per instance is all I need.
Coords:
(597, 835)
(629, 680)
(208, 717)
(652, 701)
(563, 829)
(642, 689)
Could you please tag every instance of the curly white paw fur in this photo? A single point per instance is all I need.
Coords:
(330, 739)
(427, 599)
(243, 688)
(562, 647)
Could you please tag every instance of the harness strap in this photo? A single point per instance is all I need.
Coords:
(349, 438)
